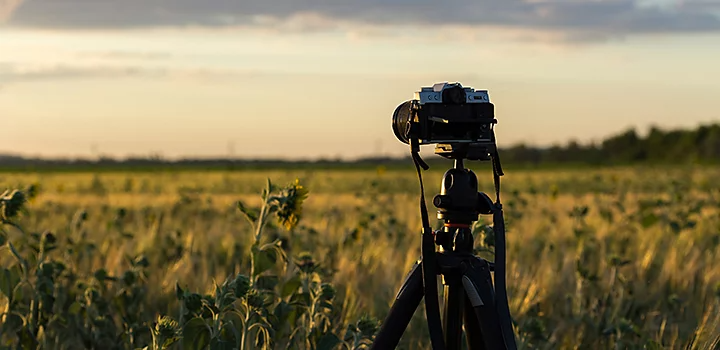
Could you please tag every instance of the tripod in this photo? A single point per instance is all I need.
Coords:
(470, 299)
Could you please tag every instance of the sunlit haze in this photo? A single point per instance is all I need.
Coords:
(209, 78)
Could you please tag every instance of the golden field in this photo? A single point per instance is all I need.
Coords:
(624, 258)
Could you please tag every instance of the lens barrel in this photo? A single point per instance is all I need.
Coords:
(401, 121)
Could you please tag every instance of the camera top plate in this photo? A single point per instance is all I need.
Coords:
(434, 94)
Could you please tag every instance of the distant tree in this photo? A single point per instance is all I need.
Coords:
(709, 144)
(701, 144)
(625, 147)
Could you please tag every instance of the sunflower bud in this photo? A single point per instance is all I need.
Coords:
(241, 285)
(11, 204)
(193, 302)
(367, 326)
(166, 327)
(305, 263)
(290, 205)
(327, 291)
(255, 300)
(165, 333)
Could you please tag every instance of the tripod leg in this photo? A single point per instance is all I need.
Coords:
(402, 310)
(479, 289)
(473, 335)
(452, 314)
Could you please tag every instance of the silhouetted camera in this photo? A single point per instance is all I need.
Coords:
(446, 113)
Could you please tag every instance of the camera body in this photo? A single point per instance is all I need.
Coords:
(457, 118)
(449, 93)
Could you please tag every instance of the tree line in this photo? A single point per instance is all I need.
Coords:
(699, 145)
(657, 146)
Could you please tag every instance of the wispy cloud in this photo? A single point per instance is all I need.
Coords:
(12, 73)
(569, 19)
(7, 8)
(124, 55)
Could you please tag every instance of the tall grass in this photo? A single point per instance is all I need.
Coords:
(612, 258)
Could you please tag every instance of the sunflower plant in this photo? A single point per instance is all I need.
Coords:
(52, 295)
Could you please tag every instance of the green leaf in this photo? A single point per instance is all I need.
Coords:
(264, 260)
(649, 220)
(229, 335)
(301, 299)
(290, 287)
(234, 321)
(9, 279)
(218, 344)
(270, 188)
(226, 301)
(11, 323)
(281, 314)
(268, 282)
(179, 292)
(23, 292)
(196, 334)
(328, 342)
(75, 308)
(27, 339)
(251, 214)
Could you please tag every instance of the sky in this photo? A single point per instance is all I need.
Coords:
(311, 78)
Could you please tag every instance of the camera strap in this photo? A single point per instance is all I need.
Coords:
(501, 299)
(497, 172)
(429, 264)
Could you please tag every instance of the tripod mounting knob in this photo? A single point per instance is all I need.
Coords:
(442, 201)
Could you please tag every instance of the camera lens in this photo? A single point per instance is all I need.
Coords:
(401, 121)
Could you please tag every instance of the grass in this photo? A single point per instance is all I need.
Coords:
(597, 258)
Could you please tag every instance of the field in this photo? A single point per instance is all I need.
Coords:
(624, 258)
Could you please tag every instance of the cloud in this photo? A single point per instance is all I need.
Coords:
(13, 73)
(579, 20)
(7, 7)
(132, 55)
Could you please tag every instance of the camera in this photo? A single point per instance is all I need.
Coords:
(446, 113)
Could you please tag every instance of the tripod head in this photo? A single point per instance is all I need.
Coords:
(459, 204)
(459, 200)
